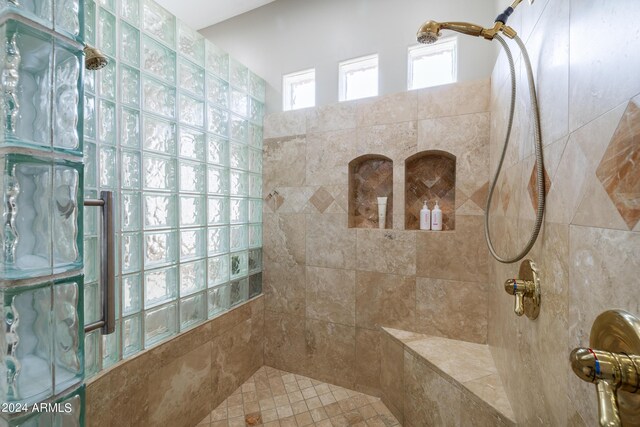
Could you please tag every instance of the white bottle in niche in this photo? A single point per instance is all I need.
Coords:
(436, 218)
(425, 217)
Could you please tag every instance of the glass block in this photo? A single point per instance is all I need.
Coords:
(130, 10)
(75, 415)
(89, 81)
(255, 235)
(191, 77)
(192, 144)
(111, 348)
(131, 251)
(238, 75)
(159, 211)
(159, 135)
(238, 128)
(218, 121)
(129, 43)
(217, 91)
(160, 249)
(159, 324)
(218, 270)
(108, 82)
(193, 244)
(192, 311)
(107, 122)
(158, 59)
(238, 238)
(218, 240)
(90, 22)
(38, 10)
(190, 43)
(255, 210)
(191, 111)
(26, 70)
(255, 285)
(92, 299)
(129, 86)
(90, 116)
(92, 359)
(255, 260)
(159, 173)
(255, 160)
(28, 344)
(256, 111)
(238, 156)
(106, 32)
(218, 180)
(239, 264)
(90, 215)
(239, 102)
(131, 336)
(192, 210)
(160, 286)
(238, 210)
(91, 259)
(217, 150)
(217, 61)
(130, 128)
(67, 108)
(218, 300)
(108, 167)
(158, 98)
(238, 183)
(256, 87)
(67, 234)
(218, 211)
(108, 4)
(193, 277)
(255, 185)
(255, 135)
(159, 22)
(131, 294)
(130, 168)
(192, 177)
(68, 328)
(90, 165)
(69, 18)
(238, 291)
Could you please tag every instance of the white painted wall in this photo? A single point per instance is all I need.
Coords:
(292, 35)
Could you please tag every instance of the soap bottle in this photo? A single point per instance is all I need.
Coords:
(436, 218)
(425, 217)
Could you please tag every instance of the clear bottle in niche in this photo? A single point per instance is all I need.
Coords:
(436, 218)
(425, 217)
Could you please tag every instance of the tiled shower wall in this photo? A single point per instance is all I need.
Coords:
(589, 248)
(174, 127)
(328, 287)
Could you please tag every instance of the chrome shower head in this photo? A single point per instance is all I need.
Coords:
(94, 59)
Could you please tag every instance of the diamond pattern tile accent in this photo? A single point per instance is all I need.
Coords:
(619, 169)
(321, 199)
(480, 196)
(272, 397)
(533, 192)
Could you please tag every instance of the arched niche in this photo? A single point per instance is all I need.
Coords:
(431, 176)
(370, 177)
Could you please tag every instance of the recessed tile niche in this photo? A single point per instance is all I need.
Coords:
(430, 176)
(370, 177)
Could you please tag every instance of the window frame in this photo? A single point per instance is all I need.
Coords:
(431, 49)
(288, 80)
(352, 64)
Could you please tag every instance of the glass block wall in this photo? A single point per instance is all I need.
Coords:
(174, 127)
(41, 179)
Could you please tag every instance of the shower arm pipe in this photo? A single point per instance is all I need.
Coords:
(540, 187)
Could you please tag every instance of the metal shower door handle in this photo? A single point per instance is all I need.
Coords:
(107, 322)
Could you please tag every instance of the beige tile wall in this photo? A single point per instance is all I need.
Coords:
(589, 255)
(329, 288)
(181, 381)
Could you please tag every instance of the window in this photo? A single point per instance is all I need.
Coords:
(358, 78)
(432, 65)
(299, 90)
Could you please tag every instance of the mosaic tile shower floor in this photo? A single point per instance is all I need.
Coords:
(273, 398)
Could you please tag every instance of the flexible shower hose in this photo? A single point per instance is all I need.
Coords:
(538, 151)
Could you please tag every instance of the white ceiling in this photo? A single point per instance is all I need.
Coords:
(200, 14)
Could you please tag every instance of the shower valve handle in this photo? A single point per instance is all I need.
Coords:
(526, 289)
(520, 289)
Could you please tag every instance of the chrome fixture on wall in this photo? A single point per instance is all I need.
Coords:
(526, 289)
(612, 363)
(429, 33)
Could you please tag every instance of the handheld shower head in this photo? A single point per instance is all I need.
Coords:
(429, 32)
(94, 59)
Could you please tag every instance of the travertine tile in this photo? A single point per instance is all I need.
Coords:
(328, 241)
(332, 117)
(328, 156)
(283, 238)
(454, 99)
(331, 352)
(398, 107)
(368, 350)
(330, 295)
(284, 288)
(385, 300)
(396, 141)
(286, 123)
(386, 251)
(284, 345)
(392, 375)
(284, 163)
